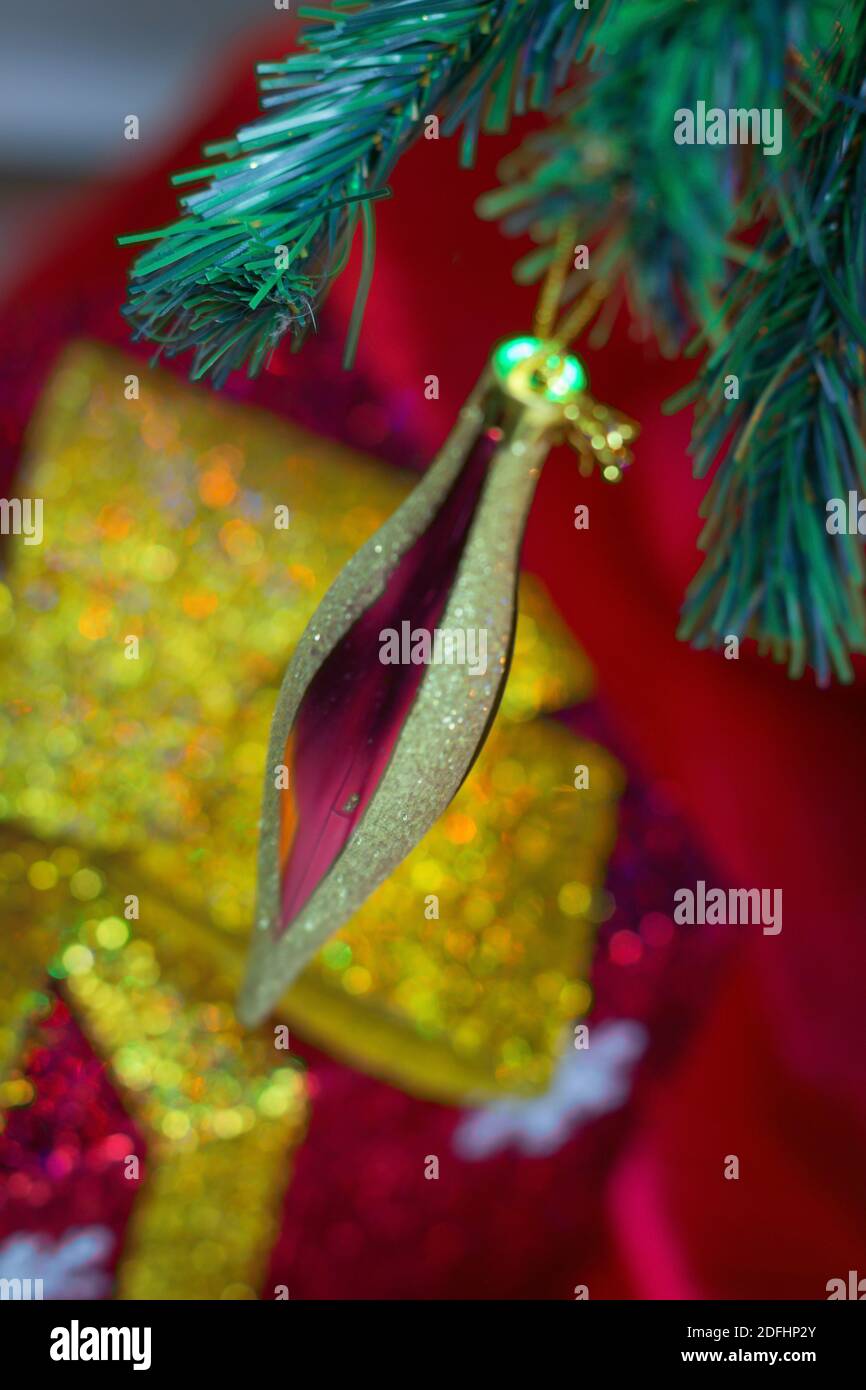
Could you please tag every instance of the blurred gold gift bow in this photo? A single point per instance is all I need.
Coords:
(159, 758)
(149, 770)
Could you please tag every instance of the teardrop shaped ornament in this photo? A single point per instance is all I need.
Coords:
(393, 686)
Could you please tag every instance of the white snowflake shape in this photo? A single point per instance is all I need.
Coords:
(68, 1267)
(586, 1083)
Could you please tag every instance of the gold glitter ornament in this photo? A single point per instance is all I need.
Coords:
(365, 756)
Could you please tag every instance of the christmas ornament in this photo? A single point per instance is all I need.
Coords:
(365, 755)
(362, 760)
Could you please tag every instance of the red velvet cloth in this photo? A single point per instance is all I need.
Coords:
(769, 773)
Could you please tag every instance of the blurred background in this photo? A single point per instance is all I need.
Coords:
(70, 73)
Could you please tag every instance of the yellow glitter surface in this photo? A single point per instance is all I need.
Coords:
(222, 1111)
(141, 647)
(485, 988)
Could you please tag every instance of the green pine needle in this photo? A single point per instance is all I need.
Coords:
(257, 249)
(661, 218)
(794, 440)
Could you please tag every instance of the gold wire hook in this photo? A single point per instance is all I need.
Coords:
(581, 312)
(555, 277)
(600, 435)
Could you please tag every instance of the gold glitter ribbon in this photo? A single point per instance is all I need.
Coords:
(221, 1109)
(159, 525)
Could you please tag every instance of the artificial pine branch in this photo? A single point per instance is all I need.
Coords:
(258, 248)
(795, 337)
(661, 218)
